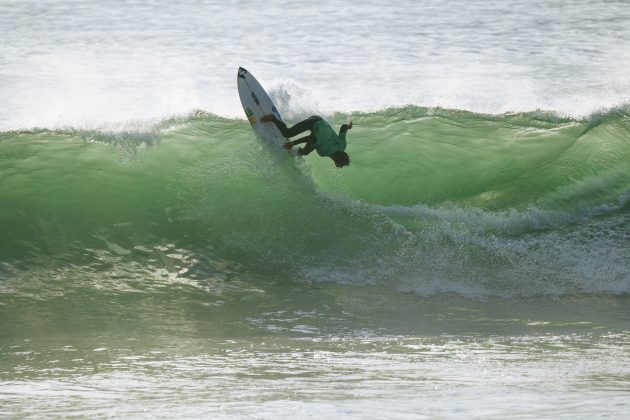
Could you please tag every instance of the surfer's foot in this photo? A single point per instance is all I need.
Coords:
(267, 118)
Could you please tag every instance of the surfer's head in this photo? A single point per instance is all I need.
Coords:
(341, 159)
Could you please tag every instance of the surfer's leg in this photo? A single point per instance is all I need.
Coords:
(298, 128)
(282, 127)
(309, 146)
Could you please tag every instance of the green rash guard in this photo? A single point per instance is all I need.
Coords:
(328, 142)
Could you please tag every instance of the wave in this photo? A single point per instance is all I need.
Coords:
(435, 201)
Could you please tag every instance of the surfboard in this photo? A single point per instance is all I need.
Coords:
(257, 103)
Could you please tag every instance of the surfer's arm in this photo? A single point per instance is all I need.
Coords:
(344, 128)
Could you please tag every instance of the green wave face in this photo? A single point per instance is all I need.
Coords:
(430, 157)
(434, 201)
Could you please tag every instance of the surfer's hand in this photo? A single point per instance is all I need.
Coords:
(288, 145)
(349, 125)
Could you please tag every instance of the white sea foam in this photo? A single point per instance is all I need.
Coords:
(123, 61)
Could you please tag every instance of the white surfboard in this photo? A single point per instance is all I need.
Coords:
(257, 103)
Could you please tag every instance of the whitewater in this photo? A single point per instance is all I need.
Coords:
(157, 259)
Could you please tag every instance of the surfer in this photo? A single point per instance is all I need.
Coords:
(322, 138)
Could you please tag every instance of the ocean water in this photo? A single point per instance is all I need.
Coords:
(157, 259)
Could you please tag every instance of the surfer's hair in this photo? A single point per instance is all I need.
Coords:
(341, 158)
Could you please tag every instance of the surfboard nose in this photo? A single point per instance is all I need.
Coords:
(242, 72)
